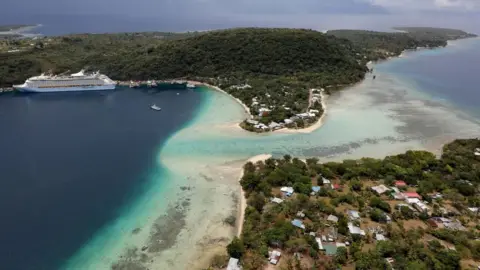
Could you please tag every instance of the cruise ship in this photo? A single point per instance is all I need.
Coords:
(61, 83)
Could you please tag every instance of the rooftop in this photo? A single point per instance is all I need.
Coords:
(400, 183)
(298, 223)
(233, 264)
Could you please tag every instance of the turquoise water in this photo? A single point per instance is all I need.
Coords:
(397, 111)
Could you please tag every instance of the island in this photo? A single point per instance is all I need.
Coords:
(280, 76)
(408, 211)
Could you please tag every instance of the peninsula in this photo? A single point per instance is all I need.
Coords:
(281, 76)
(409, 211)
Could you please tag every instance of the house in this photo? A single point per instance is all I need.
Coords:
(398, 196)
(400, 183)
(274, 126)
(319, 242)
(315, 190)
(303, 115)
(354, 230)
(277, 200)
(436, 196)
(261, 126)
(437, 222)
(300, 214)
(390, 261)
(380, 237)
(288, 121)
(411, 195)
(252, 122)
(298, 223)
(353, 215)
(388, 218)
(446, 223)
(263, 111)
(233, 264)
(417, 204)
(380, 189)
(336, 186)
(288, 191)
(274, 256)
(420, 206)
(332, 218)
(473, 210)
(325, 181)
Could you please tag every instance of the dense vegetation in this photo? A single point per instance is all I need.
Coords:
(267, 226)
(430, 33)
(380, 45)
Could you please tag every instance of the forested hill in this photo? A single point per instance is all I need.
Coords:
(435, 33)
(260, 52)
(380, 45)
(244, 52)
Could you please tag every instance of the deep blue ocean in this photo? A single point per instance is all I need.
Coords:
(69, 161)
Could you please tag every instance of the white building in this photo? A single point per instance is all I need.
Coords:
(380, 189)
(355, 230)
(233, 264)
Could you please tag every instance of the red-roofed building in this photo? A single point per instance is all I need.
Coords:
(400, 183)
(336, 186)
(412, 195)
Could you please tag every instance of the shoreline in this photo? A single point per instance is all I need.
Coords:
(245, 107)
(319, 123)
(243, 199)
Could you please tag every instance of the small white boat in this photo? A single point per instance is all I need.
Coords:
(154, 83)
(191, 85)
(149, 84)
(155, 107)
(178, 94)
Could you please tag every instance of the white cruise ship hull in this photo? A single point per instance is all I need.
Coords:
(23, 88)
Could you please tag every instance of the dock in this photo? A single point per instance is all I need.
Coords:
(6, 90)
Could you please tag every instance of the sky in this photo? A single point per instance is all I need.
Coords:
(183, 15)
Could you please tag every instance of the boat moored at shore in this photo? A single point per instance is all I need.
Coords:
(79, 81)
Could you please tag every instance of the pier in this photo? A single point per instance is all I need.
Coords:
(6, 90)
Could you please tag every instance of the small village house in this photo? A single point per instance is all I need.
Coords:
(233, 264)
(380, 189)
(298, 223)
(274, 256)
(353, 214)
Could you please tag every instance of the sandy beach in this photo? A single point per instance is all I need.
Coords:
(245, 107)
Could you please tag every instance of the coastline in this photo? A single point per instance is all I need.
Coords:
(243, 199)
(245, 107)
(318, 124)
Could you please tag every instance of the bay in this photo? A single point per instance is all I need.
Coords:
(70, 161)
